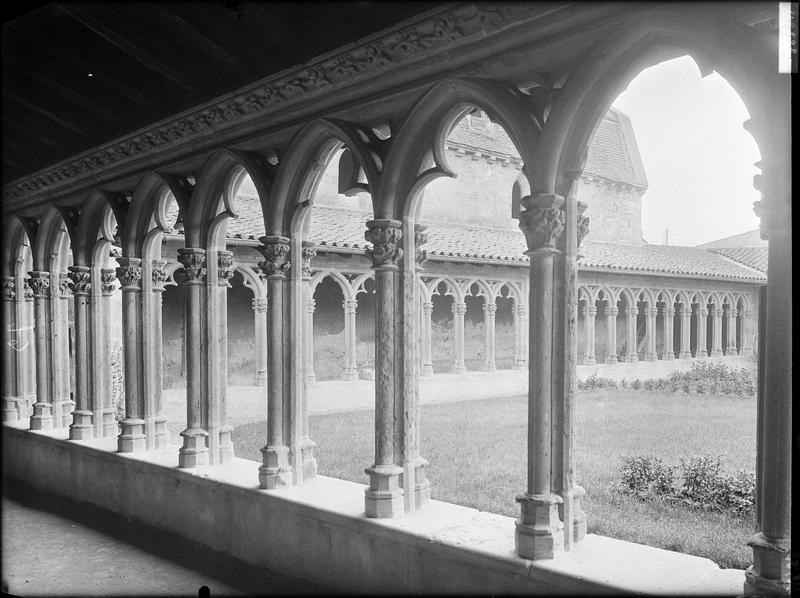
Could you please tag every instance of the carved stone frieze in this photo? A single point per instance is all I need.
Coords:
(129, 272)
(385, 235)
(193, 260)
(9, 288)
(542, 221)
(39, 282)
(80, 279)
(224, 267)
(309, 251)
(275, 250)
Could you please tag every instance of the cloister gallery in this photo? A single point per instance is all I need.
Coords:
(376, 195)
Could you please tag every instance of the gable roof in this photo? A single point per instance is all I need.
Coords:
(751, 238)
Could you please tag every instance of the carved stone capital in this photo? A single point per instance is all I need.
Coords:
(631, 311)
(193, 260)
(275, 250)
(129, 273)
(350, 306)
(589, 311)
(748, 314)
(420, 238)
(385, 235)
(107, 278)
(670, 311)
(311, 306)
(39, 282)
(522, 310)
(309, 251)
(9, 287)
(612, 312)
(260, 305)
(542, 221)
(733, 313)
(427, 308)
(63, 285)
(490, 308)
(80, 278)
(459, 308)
(224, 267)
(703, 312)
(159, 274)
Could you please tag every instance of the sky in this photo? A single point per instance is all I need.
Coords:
(698, 158)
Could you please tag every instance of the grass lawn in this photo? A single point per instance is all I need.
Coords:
(477, 454)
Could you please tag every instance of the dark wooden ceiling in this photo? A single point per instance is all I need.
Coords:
(76, 75)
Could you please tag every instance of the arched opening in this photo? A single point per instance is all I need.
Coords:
(329, 333)
(505, 331)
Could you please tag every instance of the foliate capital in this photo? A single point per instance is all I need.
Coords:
(350, 306)
(63, 285)
(670, 311)
(385, 235)
(107, 278)
(490, 308)
(631, 310)
(420, 238)
(39, 282)
(309, 251)
(80, 278)
(193, 260)
(583, 222)
(275, 250)
(260, 305)
(612, 312)
(224, 267)
(9, 288)
(129, 273)
(159, 274)
(542, 221)
(427, 307)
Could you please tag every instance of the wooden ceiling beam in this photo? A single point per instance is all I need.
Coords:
(28, 130)
(42, 112)
(131, 49)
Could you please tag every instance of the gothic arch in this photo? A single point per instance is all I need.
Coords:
(424, 129)
(50, 247)
(146, 209)
(643, 41)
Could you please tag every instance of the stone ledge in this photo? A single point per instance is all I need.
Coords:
(319, 531)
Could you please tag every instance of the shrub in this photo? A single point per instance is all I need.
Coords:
(704, 377)
(701, 483)
(594, 381)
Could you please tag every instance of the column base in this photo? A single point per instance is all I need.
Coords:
(275, 471)
(422, 485)
(612, 359)
(578, 514)
(161, 432)
(491, 367)
(110, 423)
(427, 370)
(716, 353)
(42, 418)
(384, 497)
(539, 532)
(62, 412)
(261, 378)
(131, 437)
(651, 357)
(770, 574)
(10, 409)
(702, 355)
(225, 444)
(589, 361)
(521, 364)
(309, 463)
(685, 355)
(81, 427)
(194, 451)
(350, 376)
(631, 358)
(460, 369)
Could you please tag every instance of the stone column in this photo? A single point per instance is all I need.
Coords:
(275, 470)
(42, 418)
(772, 544)
(520, 315)
(747, 333)
(220, 444)
(650, 314)
(26, 351)
(10, 345)
(259, 305)
(81, 427)
(458, 309)
(105, 415)
(539, 531)
(194, 451)
(669, 338)
(611, 313)
(384, 496)
(351, 370)
(589, 314)
(306, 306)
(59, 340)
(630, 319)
(731, 323)
(131, 437)
(702, 329)
(685, 314)
(716, 332)
(489, 311)
(426, 339)
(155, 350)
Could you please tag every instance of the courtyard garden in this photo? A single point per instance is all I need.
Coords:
(628, 441)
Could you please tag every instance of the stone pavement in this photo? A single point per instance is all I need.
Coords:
(46, 553)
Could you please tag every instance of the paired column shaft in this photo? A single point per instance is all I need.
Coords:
(81, 427)
(669, 338)
(131, 437)
(611, 329)
(632, 338)
(351, 368)
(489, 311)
(650, 313)
(10, 344)
(459, 309)
(702, 330)
(260, 335)
(426, 339)
(716, 332)
(686, 332)
(589, 314)
(42, 417)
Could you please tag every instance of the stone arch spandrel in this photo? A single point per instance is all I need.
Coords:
(142, 214)
(422, 134)
(646, 38)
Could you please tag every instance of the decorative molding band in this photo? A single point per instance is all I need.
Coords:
(439, 30)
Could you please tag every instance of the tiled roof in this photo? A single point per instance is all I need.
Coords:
(613, 152)
(751, 238)
(344, 228)
(754, 257)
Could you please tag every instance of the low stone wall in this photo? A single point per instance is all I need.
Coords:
(318, 531)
